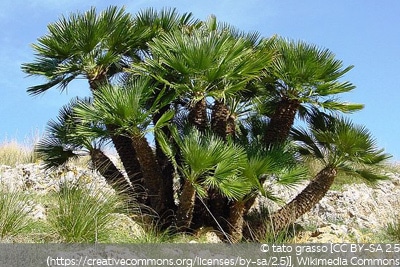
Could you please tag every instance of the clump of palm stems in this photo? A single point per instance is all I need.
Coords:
(219, 103)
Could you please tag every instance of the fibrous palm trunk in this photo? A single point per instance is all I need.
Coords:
(236, 221)
(302, 203)
(110, 172)
(278, 129)
(128, 156)
(123, 146)
(219, 119)
(198, 118)
(222, 121)
(153, 180)
(198, 115)
(281, 121)
(184, 214)
(166, 165)
(218, 204)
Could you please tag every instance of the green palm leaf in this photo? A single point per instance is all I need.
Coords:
(68, 138)
(343, 145)
(88, 45)
(124, 106)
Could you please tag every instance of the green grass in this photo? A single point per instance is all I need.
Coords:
(393, 230)
(14, 213)
(83, 214)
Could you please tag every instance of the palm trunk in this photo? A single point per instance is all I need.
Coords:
(281, 121)
(236, 221)
(198, 115)
(128, 156)
(231, 126)
(153, 180)
(166, 165)
(219, 119)
(301, 204)
(184, 214)
(222, 122)
(124, 148)
(218, 204)
(110, 172)
(278, 129)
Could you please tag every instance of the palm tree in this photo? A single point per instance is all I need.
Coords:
(204, 62)
(206, 162)
(302, 75)
(277, 164)
(260, 163)
(126, 107)
(95, 47)
(99, 47)
(63, 143)
(161, 22)
(340, 146)
(210, 63)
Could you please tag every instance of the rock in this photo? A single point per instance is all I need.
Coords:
(38, 212)
(122, 221)
(209, 234)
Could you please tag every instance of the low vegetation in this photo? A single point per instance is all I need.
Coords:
(13, 153)
(14, 213)
(83, 214)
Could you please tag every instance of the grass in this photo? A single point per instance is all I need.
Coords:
(83, 214)
(393, 230)
(13, 153)
(14, 213)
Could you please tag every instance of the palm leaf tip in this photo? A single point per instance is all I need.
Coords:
(371, 175)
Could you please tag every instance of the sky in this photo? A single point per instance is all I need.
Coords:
(359, 32)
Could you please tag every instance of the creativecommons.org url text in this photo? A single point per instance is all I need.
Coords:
(186, 262)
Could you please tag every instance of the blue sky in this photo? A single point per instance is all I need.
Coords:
(360, 32)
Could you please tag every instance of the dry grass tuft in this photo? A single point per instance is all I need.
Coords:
(13, 153)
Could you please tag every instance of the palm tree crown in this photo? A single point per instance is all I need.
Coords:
(88, 45)
(302, 76)
(341, 146)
